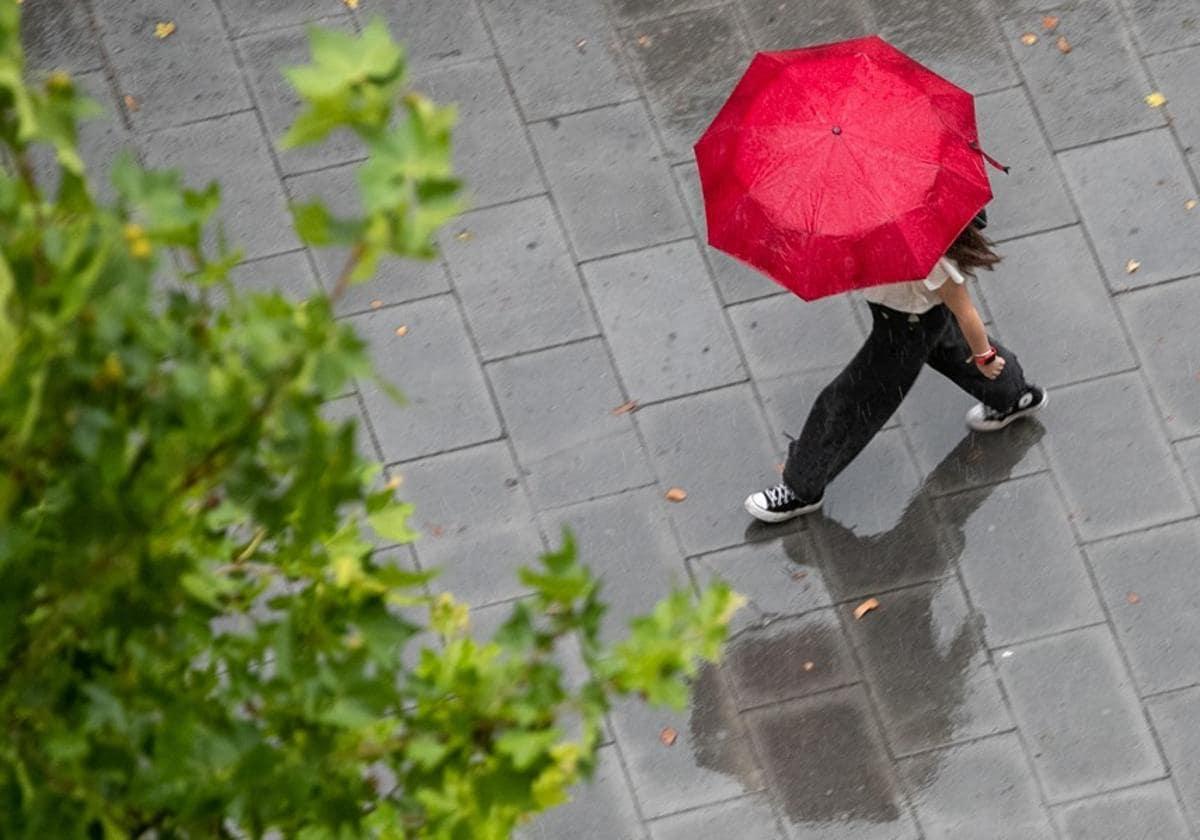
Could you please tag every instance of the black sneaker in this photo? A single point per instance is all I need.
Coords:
(779, 504)
(981, 418)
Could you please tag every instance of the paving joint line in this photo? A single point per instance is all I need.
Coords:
(679, 240)
(591, 109)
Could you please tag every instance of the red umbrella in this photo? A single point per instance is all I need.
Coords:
(836, 167)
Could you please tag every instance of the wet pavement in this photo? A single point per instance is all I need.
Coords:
(1032, 670)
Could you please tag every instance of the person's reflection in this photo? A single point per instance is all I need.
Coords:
(825, 762)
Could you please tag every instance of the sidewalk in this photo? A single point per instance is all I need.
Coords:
(1033, 670)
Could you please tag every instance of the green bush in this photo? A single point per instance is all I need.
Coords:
(196, 637)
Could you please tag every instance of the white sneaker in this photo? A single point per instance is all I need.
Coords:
(981, 418)
(779, 504)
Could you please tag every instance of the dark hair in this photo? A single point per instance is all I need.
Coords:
(972, 250)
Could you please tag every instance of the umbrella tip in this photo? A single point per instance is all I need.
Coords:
(837, 129)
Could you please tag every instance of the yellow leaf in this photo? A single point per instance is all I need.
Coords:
(1029, 39)
(1190, 204)
(1132, 266)
(1156, 100)
(865, 607)
(164, 29)
(402, 330)
(350, 4)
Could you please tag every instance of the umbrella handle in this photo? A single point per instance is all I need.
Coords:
(974, 144)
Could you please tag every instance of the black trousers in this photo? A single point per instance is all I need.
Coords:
(854, 407)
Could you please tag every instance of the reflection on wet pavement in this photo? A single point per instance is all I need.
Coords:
(822, 693)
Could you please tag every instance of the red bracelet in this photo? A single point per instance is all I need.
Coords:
(985, 359)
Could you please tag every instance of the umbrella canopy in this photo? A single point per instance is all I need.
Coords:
(841, 166)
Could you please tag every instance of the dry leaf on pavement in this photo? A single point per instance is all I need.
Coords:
(676, 494)
(131, 104)
(1133, 598)
(1064, 46)
(644, 41)
(402, 330)
(375, 304)
(1156, 100)
(865, 607)
(350, 4)
(464, 236)
(1190, 204)
(1050, 23)
(625, 408)
(1029, 39)
(808, 666)
(668, 736)
(164, 29)
(1132, 266)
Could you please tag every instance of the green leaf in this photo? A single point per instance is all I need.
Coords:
(526, 748)
(426, 751)
(8, 328)
(392, 523)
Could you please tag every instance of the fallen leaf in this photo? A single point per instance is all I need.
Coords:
(1050, 23)
(1132, 266)
(1029, 39)
(375, 304)
(1133, 598)
(808, 666)
(644, 41)
(350, 4)
(865, 607)
(1190, 204)
(1156, 100)
(803, 575)
(394, 482)
(402, 330)
(464, 236)
(164, 29)
(676, 494)
(668, 736)
(581, 43)
(1064, 46)
(625, 408)
(131, 103)
(436, 531)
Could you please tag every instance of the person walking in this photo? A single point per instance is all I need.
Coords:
(927, 322)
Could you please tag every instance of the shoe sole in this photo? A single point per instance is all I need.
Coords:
(1016, 415)
(764, 515)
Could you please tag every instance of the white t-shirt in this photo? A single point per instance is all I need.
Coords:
(918, 296)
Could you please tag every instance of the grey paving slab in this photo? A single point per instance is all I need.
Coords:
(626, 541)
(748, 818)
(514, 274)
(1025, 576)
(447, 403)
(828, 769)
(347, 408)
(1189, 453)
(1132, 193)
(1145, 813)
(602, 807)
(189, 76)
(878, 529)
(1174, 718)
(736, 281)
(1164, 24)
(929, 672)
(1176, 74)
(784, 334)
(711, 758)
(395, 281)
(1103, 743)
(714, 446)
(1107, 428)
(289, 274)
(1150, 584)
(561, 55)
(1041, 277)
(475, 523)
(663, 322)
(264, 58)
(1095, 91)
(232, 151)
(779, 576)
(491, 153)
(964, 47)
(1031, 195)
(433, 31)
(787, 401)
(982, 789)
(58, 34)
(688, 64)
(247, 16)
(631, 10)
(789, 658)
(952, 458)
(1162, 321)
(790, 24)
(558, 406)
(610, 181)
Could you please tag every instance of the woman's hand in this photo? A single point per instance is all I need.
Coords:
(993, 368)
